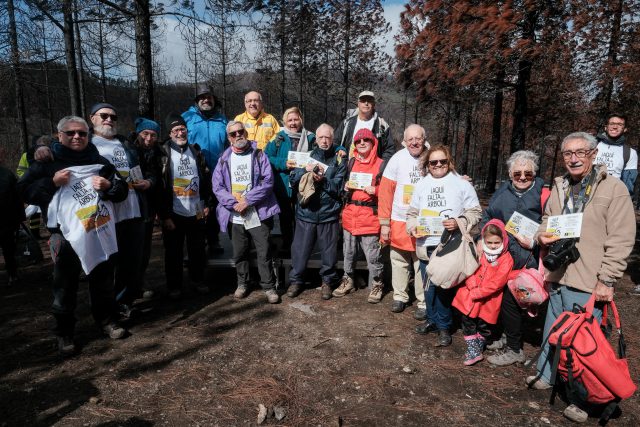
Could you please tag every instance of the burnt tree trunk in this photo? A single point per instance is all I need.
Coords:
(146, 101)
(492, 174)
(70, 56)
(17, 75)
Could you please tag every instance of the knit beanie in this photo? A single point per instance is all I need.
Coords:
(146, 124)
(100, 106)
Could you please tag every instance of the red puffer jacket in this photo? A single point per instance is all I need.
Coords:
(481, 294)
(361, 220)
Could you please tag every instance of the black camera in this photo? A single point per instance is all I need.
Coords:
(561, 253)
(318, 170)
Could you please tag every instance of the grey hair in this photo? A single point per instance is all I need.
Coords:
(422, 130)
(521, 157)
(233, 123)
(259, 94)
(590, 139)
(71, 119)
(326, 125)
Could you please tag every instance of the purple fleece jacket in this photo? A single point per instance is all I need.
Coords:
(261, 195)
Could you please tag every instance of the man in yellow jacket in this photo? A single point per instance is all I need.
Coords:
(261, 127)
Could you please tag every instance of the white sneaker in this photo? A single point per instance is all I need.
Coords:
(575, 414)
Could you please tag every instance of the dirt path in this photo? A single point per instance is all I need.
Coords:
(207, 361)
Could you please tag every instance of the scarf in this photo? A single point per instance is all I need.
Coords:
(299, 140)
(492, 254)
(607, 140)
(88, 156)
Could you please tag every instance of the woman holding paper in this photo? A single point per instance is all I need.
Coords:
(292, 138)
(438, 199)
(517, 203)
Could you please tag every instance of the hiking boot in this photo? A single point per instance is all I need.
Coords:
(66, 347)
(346, 286)
(114, 331)
(537, 383)
(294, 290)
(420, 313)
(506, 358)
(175, 294)
(444, 338)
(635, 290)
(425, 328)
(325, 291)
(240, 292)
(474, 350)
(375, 296)
(201, 288)
(575, 414)
(272, 296)
(497, 344)
(397, 306)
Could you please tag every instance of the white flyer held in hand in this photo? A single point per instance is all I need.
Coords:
(135, 173)
(565, 226)
(314, 162)
(301, 158)
(520, 224)
(250, 218)
(360, 180)
(430, 226)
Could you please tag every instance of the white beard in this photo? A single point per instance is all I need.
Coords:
(105, 131)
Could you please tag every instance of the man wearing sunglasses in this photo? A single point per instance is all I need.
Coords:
(614, 152)
(206, 127)
(183, 207)
(38, 186)
(243, 184)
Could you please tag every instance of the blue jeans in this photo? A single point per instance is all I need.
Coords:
(561, 298)
(437, 300)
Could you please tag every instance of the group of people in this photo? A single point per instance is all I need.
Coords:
(337, 189)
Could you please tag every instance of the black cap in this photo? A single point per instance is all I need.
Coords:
(203, 89)
(174, 120)
(100, 106)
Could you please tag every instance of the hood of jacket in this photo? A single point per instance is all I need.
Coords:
(373, 154)
(505, 237)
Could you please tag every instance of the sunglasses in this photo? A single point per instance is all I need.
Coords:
(527, 174)
(72, 133)
(236, 133)
(367, 140)
(438, 162)
(105, 116)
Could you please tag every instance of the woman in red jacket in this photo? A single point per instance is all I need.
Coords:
(479, 298)
(360, 215)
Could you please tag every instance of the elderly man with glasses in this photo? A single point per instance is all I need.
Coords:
(260, 126)
(243, 185)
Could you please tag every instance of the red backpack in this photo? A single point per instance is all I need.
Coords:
(585, 362)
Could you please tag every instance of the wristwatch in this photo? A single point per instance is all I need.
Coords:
(608, 283)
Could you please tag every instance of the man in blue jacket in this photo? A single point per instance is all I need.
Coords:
(206, 128)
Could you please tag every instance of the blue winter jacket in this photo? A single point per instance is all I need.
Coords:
(502, 205)
(277, 151)
(209, 134)
(326, 203)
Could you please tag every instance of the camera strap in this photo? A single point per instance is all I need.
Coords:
(583, 197)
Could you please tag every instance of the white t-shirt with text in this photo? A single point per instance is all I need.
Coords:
(612, 157)
(402, 168)
(186, 183)
(240, 179)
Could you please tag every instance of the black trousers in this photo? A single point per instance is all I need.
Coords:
(211, 223)
(128, 268)
(192, 229)
(8, 244)
(241, 241)
(305, 238)
(472, 326)
(287, 219)
(66, 269)
(511, 315)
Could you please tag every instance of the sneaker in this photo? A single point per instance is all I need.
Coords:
(575, 414)
(444, 339)
(272, 296)
(397, 306)
(375, 296)
(114, 331)
(201, 288)
(420, 314)
(497, 344)
(175, 294)
(148, 294)
(537, 383)
(506, 358)
(425, 328)
(294, 290)
(346, 286)
(240, 292)
(635, 290)
(325, 291)
(66, 347)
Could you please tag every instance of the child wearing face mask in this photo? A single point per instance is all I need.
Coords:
(480, 296)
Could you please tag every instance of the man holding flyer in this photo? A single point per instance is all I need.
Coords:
(592, 261)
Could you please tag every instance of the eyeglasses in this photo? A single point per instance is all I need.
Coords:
(527, 174)
(581, 154)
(179, 130)
(366, 140)
(105, 116)
(438, 162)
(616, 124)
(236, 133)
(72, 133)
(416, 139)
